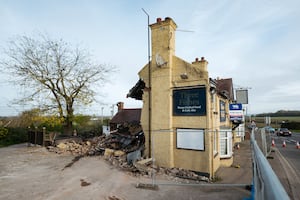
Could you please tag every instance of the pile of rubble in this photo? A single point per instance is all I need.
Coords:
(122, 149)
(146, 167)
(122, 139)
(76, 148)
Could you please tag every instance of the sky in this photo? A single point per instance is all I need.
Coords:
(254, 42)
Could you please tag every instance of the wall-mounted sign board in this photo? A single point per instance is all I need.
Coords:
(189, 101)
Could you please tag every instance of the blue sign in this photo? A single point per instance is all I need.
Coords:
(189, 102)
(236, 106)
(236, 112)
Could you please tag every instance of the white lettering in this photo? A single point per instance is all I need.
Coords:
(188, 108)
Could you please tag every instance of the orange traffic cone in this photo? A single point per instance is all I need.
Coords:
(283, 144)
(273, 143)
(297, 145)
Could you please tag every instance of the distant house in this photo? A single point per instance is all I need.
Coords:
(125, 117)
(126, 131)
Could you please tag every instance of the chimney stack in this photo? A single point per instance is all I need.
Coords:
(201, 63)
(163, 38)
(120, 106)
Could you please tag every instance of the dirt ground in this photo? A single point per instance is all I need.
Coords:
(34, 173)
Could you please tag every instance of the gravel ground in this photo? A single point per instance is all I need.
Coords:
(33, 173)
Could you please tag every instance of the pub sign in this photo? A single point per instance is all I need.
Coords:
(189, 102)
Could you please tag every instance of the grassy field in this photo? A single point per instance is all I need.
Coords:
(275, 121)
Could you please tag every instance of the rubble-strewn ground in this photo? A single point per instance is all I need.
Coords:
(35, 173)
(131, 162)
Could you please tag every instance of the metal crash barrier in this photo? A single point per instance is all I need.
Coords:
(266, 184)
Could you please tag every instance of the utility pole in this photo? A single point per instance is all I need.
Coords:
(112, 110)
(102, 115)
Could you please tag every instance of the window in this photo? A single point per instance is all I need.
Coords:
(240, 130)
(192, 139)
(222, 111)
(225, 143)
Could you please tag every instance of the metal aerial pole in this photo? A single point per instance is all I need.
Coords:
(149, 91)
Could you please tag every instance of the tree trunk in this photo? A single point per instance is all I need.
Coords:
(68, 127)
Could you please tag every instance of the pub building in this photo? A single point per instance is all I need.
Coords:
(185, 113)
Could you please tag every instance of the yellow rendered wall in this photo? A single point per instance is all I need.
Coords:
(197, 76)
(161, 141)
(162, 137)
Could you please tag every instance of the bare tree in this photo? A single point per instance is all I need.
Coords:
(54, 70)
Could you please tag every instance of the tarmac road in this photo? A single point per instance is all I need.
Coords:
(290, 152)
(288, 169)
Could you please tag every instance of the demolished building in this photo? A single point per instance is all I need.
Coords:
(185, 112)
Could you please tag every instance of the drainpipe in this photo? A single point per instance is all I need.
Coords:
(211, 123)
(211, 133)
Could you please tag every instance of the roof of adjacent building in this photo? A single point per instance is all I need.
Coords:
(136, 91)
(127, 115)
(225, 88)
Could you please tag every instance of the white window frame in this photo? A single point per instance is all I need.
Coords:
(240, 130)
(225, 143)
(191, 139)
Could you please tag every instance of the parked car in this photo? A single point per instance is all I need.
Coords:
(269, 129)
(284, 132)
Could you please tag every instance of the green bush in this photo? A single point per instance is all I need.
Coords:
(291, 125)
(13, 136)
(3, 133)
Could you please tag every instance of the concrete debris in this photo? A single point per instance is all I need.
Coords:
(124, 151)
(147, 168)
(145, 161)
(122, 141)
(72, 148)
(119, 143)
(134, 156)
(143, 165)
(147, 186)
(113, 198)
(186, 174)
(108, 152)
(119, 153)
(62, 146)
(64, 139)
